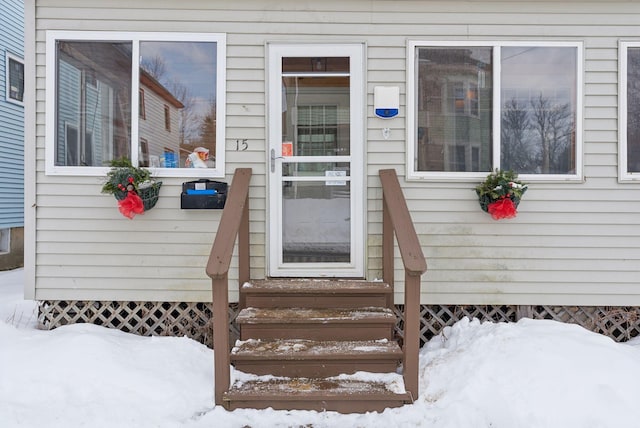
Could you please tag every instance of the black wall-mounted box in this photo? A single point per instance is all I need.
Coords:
(203, 194)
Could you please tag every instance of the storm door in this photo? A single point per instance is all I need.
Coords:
(315, 161)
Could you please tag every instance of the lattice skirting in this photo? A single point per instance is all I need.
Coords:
(194, 319)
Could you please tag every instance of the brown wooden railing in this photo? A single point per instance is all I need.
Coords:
(233, 223)
(397, 220)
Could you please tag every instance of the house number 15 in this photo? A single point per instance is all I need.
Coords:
(242, 145)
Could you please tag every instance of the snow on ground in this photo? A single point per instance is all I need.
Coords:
(530, 374)
(13, 308)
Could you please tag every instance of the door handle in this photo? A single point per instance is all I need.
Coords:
(273, 160)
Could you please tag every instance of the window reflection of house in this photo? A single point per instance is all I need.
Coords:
(141, 108)
(143, 156)
(161, 117)
(93, 107)
(454, 116)
(93, 102)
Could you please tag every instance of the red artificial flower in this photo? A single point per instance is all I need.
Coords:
(502, 208)
(131, 205)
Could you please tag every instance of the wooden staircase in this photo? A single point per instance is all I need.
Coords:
(309, 334)
(302, 340)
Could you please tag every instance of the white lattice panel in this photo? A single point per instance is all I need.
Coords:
(194, 319)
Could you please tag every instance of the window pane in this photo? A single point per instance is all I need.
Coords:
(93, 110)
(16, 80)
(538, 94)
(633, 110)
(179, 84)
(454, 109)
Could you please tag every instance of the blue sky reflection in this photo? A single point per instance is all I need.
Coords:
(190, 64)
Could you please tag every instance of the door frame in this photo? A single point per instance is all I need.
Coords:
(275, 51)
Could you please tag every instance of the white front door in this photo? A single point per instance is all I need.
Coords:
(315, 160)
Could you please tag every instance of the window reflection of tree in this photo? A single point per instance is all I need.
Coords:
(633, 110)
(538, 137)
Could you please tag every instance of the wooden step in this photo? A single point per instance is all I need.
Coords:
(316, 323)
(315, 293)
(345, 396)
(306, 343)
(315, 359)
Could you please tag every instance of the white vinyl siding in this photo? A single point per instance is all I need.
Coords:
(573, 243)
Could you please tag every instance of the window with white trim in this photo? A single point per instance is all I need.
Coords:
(14, 79)
(477, 106)
(629, 162)
(97, 81)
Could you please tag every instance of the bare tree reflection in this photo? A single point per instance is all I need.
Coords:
(539, 139)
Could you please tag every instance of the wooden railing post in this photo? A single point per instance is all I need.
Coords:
(396, 220)
(221, 358)
(387, 250)
(411, 345)
(234, 223)
(244, 254)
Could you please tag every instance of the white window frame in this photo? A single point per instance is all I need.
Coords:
(623, 174)
(9, 56)
(135, 38)
(412, 99)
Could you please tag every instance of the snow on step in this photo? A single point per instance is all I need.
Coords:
(307, 315)
(360, 392)
(303, 286)
(388, 384)
(315, 358)
(302, 348)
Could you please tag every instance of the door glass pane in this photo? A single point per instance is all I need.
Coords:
(316, 214)
(315, 64)
(329, 169)
(316, 221)
(316, 115)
